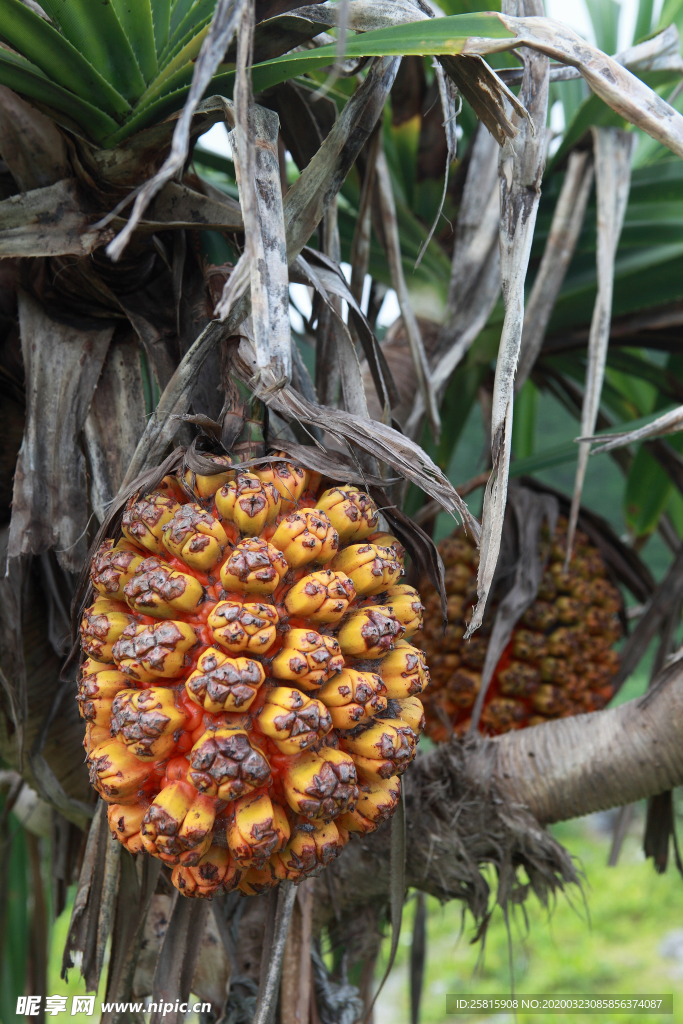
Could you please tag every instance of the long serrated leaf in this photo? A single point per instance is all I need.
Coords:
(135, 19)
(604, 14)
(96, 32)
(617, 87)
(177, 71)
(613, 149)
(180, 34)
(161, 13)
(225, 21)
(62, 62)
(24, 77)
(491, 33)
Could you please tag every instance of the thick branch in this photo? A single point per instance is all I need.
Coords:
(574, 766)
(482, 801)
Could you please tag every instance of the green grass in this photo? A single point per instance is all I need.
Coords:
(612, 945)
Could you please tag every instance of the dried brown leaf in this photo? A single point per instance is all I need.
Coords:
(521, 168)
(613, 149)
(62, 366)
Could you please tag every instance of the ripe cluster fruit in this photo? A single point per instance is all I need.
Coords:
(560, 660)
(250, 693)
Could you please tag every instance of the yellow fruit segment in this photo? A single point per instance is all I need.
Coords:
(321, 597)
(178, 824)
(307, 658)
(222, 683)
(205, 485)
(248, 626)
(370, 568)
(256, 830)
(195, 536)
(388, 540)
(293, 720)
(147, 721)
(113, 566)
(410, 711)
(157, 589)
(215, 872)
(115, 773)
(256, 881)
(377, 801)
(289, 481)
(353, 513)
(406, 605)
(370, 632)
(353, 697)
(152, 652)
(306, 536)
(255, 567)
(386, 748)
(225, 764)
(248, 502)
(96, 692)
(307, 850)
(101, 626)
(404, 671)
(321, 785)
(144, 519)
(125, 821)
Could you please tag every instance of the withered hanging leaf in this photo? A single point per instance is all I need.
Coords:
(303, 208)
(475, 268)
(384, 443)
(62, 366)
(134, 895)
(92, 909)
(318, 275)
(51, 221)
(392, 242)
(31, 144)
(114, 424)
(521, 168)
(352, 389)
(565, 228)
(613, 149)
(178, 958)
(419, 545)
(179, 206)
(334, 465)
(485, 92)
(265, 245)
(669, 423)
